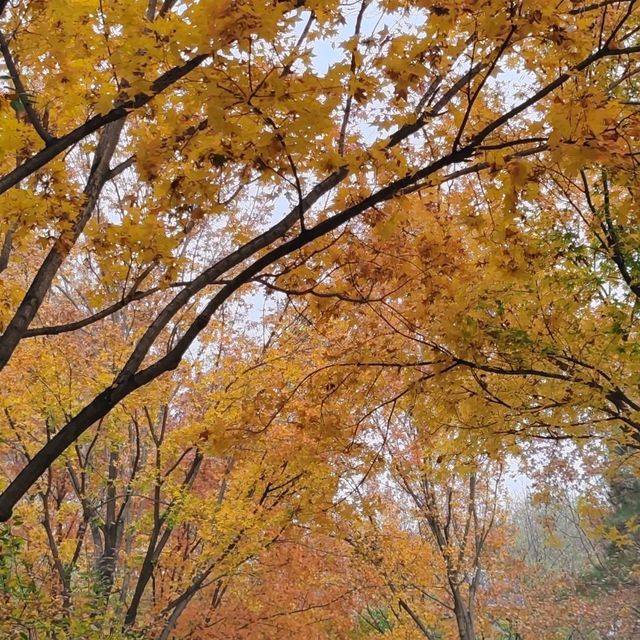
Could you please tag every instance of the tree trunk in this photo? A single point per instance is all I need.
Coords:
(464, 617)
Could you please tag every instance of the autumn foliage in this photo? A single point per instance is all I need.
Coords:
(294, 293)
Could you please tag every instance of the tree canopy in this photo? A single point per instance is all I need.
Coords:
(287, 287)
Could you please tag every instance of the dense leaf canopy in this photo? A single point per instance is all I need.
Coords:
(286, 288)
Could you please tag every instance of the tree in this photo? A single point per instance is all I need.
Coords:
(432, 547)
(560, 544)
(178, 117)
(249, 284)
(171, 517)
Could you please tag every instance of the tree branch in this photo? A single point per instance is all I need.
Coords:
(59, 145)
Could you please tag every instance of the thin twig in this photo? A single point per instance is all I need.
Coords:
(22, 93)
